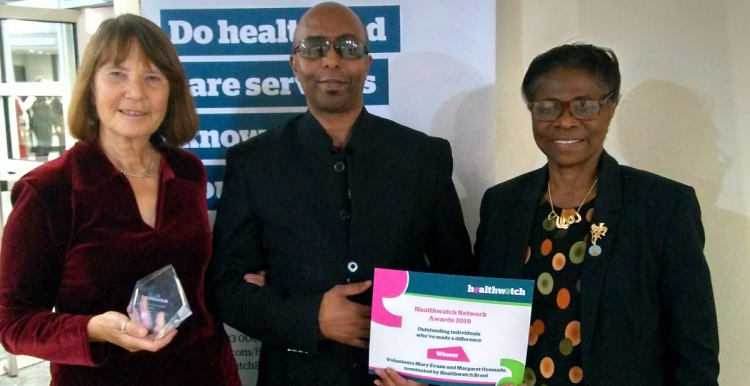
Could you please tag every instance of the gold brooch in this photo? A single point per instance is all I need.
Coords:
(597, 232)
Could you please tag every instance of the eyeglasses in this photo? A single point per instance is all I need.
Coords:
(316, 47)
(581, 109)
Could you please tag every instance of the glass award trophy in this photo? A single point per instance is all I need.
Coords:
(158, 302)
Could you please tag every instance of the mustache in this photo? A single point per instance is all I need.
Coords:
(332, 76)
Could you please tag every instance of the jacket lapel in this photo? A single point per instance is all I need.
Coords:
(607, 211)
(519, 223)
(366, 182)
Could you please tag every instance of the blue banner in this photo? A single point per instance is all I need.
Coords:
(265, 31)
(257, 83)
(215, 175)
(265, 84)
(218, 132)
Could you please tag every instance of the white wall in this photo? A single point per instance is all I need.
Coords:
(37, 66)
(37, 4)
(684, 115)
(88, 23)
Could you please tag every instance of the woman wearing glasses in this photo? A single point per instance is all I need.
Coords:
(623, 292)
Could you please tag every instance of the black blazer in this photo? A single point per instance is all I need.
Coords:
(280, 211)
(647, 306)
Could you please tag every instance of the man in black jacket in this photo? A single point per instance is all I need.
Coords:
(318, 204)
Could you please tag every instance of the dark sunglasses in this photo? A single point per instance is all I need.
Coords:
(316, 47)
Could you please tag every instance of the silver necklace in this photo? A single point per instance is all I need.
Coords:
(148, 171)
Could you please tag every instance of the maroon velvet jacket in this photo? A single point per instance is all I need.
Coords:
(75, 241)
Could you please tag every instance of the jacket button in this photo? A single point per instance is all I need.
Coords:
(352, 266)
(339, 167)
(344, 214)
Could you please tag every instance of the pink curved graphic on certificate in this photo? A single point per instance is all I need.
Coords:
(388, 284)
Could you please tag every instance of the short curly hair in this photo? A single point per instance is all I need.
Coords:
(600, 62)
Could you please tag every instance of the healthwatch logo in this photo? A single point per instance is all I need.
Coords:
(496, 291)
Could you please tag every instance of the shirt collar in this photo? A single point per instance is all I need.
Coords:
(315, 138)
(91, 167)
(609, 192)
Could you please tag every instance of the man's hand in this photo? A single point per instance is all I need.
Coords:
(343, 320)
(258, 279)
(389, 377)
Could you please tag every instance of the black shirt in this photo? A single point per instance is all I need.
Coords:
(555, 262)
